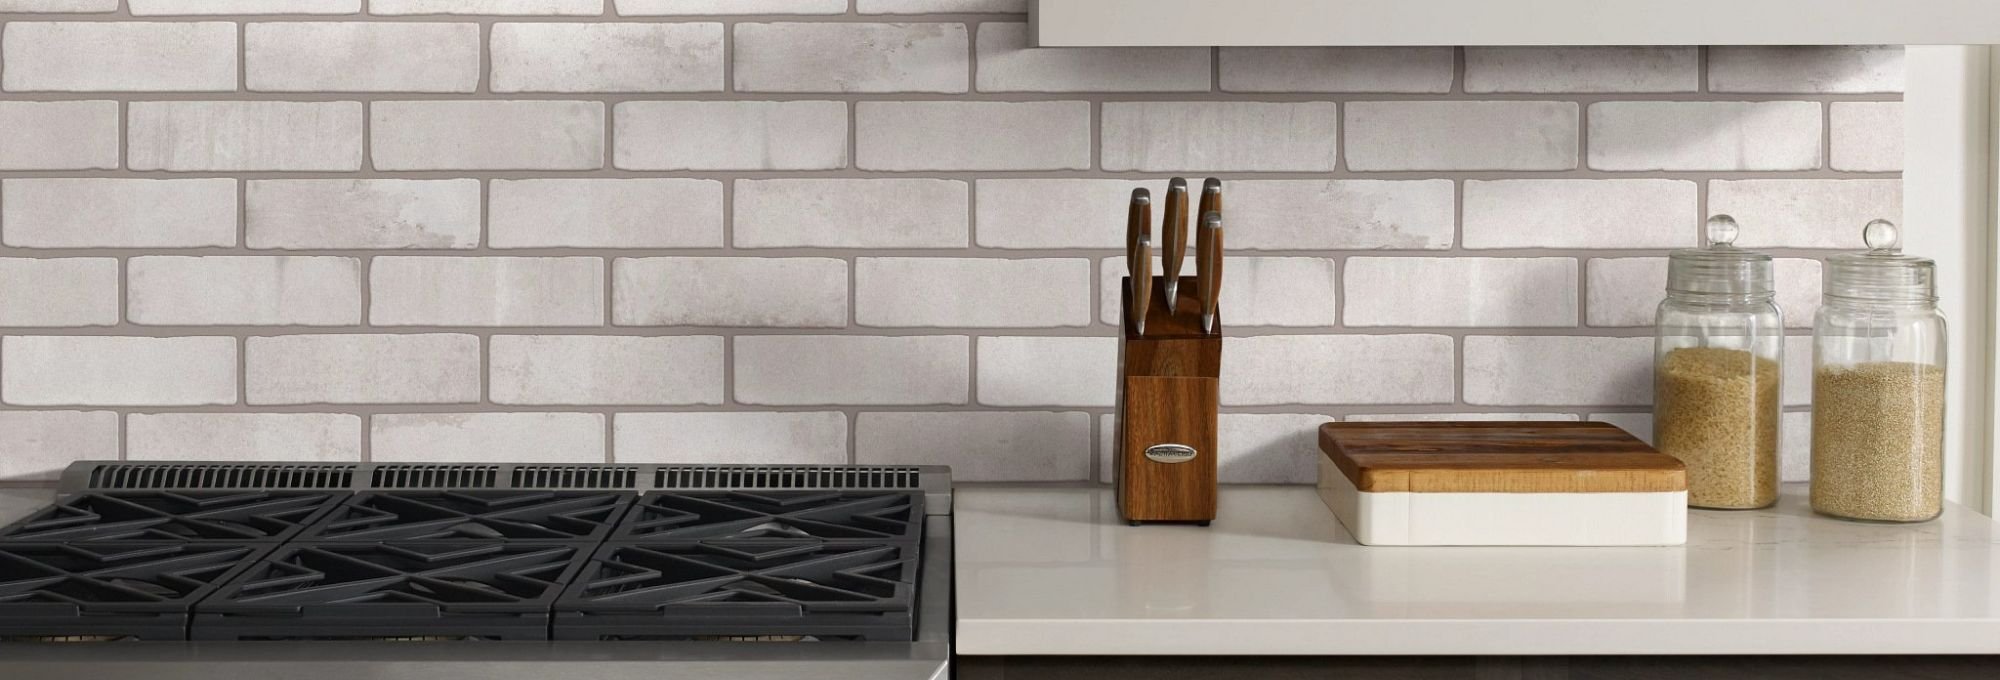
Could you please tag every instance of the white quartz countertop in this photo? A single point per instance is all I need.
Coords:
(1044, 570)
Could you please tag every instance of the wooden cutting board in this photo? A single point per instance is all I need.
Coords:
(1500, 457)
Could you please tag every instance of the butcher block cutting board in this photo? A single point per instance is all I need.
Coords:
(1501, 483)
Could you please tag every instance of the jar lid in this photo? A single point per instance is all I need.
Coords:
(1882, 272)
(1720, 268)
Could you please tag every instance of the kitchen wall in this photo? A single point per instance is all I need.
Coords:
(830, 231)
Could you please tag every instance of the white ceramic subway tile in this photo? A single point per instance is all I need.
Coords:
(802, 292)
(308, 214)
(1806, 69)
(606, 369)
(605, 213)
(1581, 213)
(1171, 136)
(118, 213)
(1026, 446)
(81, 135)
(497, 7)
(1867, 136)
(684, 135)
(1461, 291)
(285, 437)
(1805, 213)
(195, 136)
(1582, 69)
(40, 444)
(1413, 70)
(804, 370)
(69, 291)
(339, 56)
(1558, 371)
(1300, 292)
(1715, 136)
(1434, 135)
(117, 371)
(351, 368)
(243, 291)
(1337, 369)
(627, 57)
(1008, 64)
(1027, 371)
(1358, 214)
(966, 135)
(788, 438)
(851, 213)
(851, 57)
(486, 291)
(898, 292)
(487, 437)
(487, 135)
(127, 56)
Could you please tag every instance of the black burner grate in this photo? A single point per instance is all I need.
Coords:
(110, 590)
(826, 515)
(480, 514)
(232, 516)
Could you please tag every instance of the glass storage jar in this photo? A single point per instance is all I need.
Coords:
(1878, 385)
(1718, 352)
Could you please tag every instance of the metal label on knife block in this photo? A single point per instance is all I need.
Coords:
(1170, 453)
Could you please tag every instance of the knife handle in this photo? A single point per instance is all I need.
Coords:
(1208, 266)
(1173, 240)
(1142, 283)
(1138, 224)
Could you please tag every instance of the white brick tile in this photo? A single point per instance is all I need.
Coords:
(118, 213)
(1798, 284)
(1022, 371)
(59, 5)
(1256, 291)
(461, 135)
(972, 135)
(321, 437)
(39, 444)
(362, 213)
(72, 291)
(1567, 213)
(1461, 291)
(1795, 385)
(1170, 136)
(264, 135)
(678, 135)
(1851, 68)
(330, 56)
(1338, 214)
(1008, 64)
(59, 135)
(1337, 369)
(486, 291)
(1281, 448)
(941, 6)
(792, 370)
(634, 8)
(806, 292)
(606, 369)
(1627, 291)
(135, 56)
(1795, 447)
(851, 213)
(1418, 135)
(1558, 371)
(980, 447)
(1805, 213)
(1581, 69)
(572, 8)
(117, 371)
(1415, 70)
(487, 437)
(851, 57)
(264, 291)
(362, 369)
(976, 292)
(1445, 417)
(1639, 425)
(1705, 136)
(629, 57)
(201, 7)
(801, 438)
(1054, 213)
(605, 213)
(1867, 136)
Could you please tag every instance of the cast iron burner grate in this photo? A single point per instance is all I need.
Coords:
(393, 590)
(111, 590)
(480, 514)
(826, 515)
(742, 588)
(230, 516)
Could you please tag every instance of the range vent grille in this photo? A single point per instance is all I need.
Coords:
(435, 476)
(574, 477)
(781, 477)
(92, 476)
(210, 476)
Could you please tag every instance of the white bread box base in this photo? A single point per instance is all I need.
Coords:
(1518, 519)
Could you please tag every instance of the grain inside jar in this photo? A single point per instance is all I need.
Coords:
(1717, 411)
(1878, 441)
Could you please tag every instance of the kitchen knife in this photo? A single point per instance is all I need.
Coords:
(1208, 264)
(1142, 282)
(1138, 223)
(1173, 239)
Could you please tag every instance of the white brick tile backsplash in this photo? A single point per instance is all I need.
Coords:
(1170, 136)
(115, 371)
(792, 438)
(630, 57)
(1055, 213)
(134, 56)
(606, 369)
(963, 135)
(1626, 291)
(498, 7)
(801, 370)
(1795, 447)
(1258, 448)
(605, 213)
(1558, 371)
(1438, 417)
(940, 6)
(804, 292)
(1566, 213)
(1461, 291)
(117, 213)
(58, 5)
(852, 57)
(59, 135)
(1338, 214)
(319, 437)
(1581, 69)
(681, 135)
(203, 7)
(851, 213)
(244, 291)
(70, 291)
(1795, 385)
(1639, 425)
(441, 368)
(1500, 135)
(39, 444)
(1008, 64)
(1805, 213)
(330, 56)
(1705, 136)
(486, 291)
(1414, 70)
(980, 447)
(1025, 371)
(191, 136)
(487, 437)
(893, 292)
(637, 8)
(1337, 369)
(1256, 291)
(1804, 69)
(1867, 136)
(303, 214)
(462, 135)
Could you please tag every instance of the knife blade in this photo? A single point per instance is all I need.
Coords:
(1142, 282)
(1208, 266)
(1173, 238)
(1138, 223)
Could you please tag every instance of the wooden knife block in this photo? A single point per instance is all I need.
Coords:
(1168, 393)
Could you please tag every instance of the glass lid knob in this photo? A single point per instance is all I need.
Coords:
(1722, 231)
(1882, 236)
